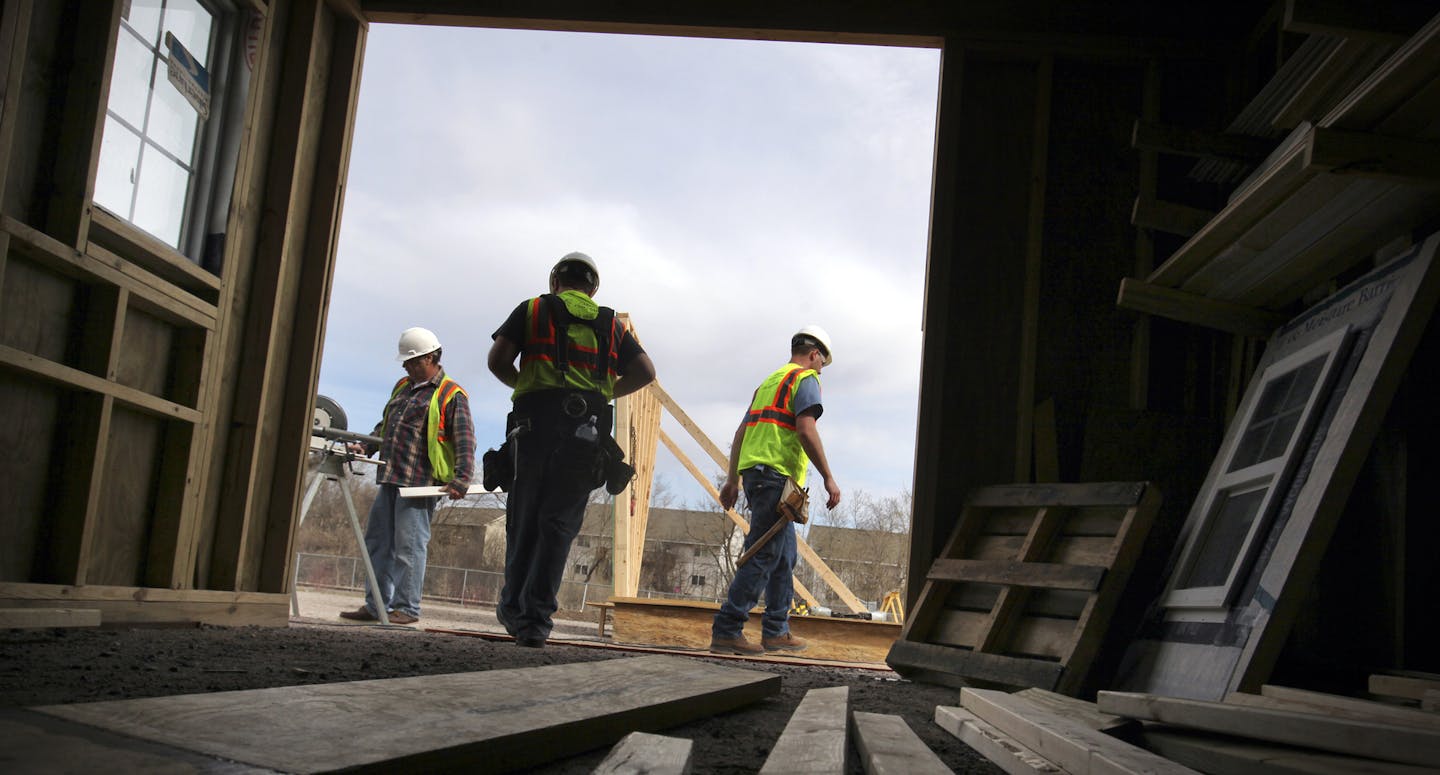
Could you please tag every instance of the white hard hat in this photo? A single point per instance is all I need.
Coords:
(813, 334)
(579, 258)
(415, 342)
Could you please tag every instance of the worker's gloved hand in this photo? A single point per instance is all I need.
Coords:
(455, 490)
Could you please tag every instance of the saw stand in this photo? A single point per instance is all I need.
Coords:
(334, 456)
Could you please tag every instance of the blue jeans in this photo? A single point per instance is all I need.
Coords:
(772, 568)
(397, 538)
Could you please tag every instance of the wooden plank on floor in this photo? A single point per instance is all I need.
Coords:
(1087, 713)
(643, 753)
(888, 745)
(1327, 733)
(35, 618)
(960, 663)
(1402, 686)
(1226, 755)
(999, 748)
(1288, 698)
(814, 740)
(1070, 744)
(434, 722)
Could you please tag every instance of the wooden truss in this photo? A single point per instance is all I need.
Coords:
(637, 420)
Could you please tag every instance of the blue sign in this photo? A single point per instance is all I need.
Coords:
(190, 77)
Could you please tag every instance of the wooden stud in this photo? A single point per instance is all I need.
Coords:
(814, 740)
(1165, 302)
(1164, 138)
(1305, 701)
(14, 37)
(1223, 755)
(40, 618)
(1072, 745)
(1391, 21)
(1328, 733)
(887, 744)
(1034, 262)
(1401, 686)
(1169, 217)
(999, 748)
(641, 753)
(1087, 713)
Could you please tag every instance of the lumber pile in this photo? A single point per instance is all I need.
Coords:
(1280, 730)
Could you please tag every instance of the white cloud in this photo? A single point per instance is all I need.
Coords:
(731, 191)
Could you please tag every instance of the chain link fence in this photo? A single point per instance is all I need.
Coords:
(466, 586)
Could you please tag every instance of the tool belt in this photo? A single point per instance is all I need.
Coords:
(794, 502)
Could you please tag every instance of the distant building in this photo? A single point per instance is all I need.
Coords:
(869, 562)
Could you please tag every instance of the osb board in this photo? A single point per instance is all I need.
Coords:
(686, 624)
(468, 720)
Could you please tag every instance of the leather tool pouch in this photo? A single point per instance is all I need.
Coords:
(794, 502)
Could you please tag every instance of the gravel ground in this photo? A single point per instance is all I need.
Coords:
(85, 665)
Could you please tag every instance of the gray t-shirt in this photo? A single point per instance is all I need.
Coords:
(807, 396)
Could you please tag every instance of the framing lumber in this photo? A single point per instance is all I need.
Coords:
(36, 618)
(1402, 686)
(1284, 697)
(1166, 302)
(637, 421)
(814, 740)
(1310, 730)
(1034, 263)
(1070, 744)
(1225, 755)
(152, 605)
(686, 624)
(462, 720)
(1087, 713)
(1169, 217)
(1166, 138)
(1388, 21)
(641, 753)
(821, 568)
(888, 745)
(999, 748)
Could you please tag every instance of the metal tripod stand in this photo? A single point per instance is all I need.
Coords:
(334, 456)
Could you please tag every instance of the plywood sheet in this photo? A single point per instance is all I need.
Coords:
(457, 720)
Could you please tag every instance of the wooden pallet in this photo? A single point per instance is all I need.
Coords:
(1024, 589)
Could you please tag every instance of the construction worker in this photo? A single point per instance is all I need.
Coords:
(427, 438)
(776, 440)
(574, 358)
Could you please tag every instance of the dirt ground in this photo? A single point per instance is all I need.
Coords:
(84, 665)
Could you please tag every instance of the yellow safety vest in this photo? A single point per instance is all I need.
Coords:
(437, 435)
(770, 437)
(538, 370)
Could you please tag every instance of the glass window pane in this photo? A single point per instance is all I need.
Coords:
(144, 18)
(190, 23)
(172, 118)
(115, 179)
(160, 196)
(1225, 534)
(130, 82)
(1277, 415)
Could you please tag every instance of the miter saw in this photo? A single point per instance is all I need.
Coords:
(330, 440)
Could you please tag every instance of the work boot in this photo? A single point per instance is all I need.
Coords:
(786, 642)
(736, 645)
(361, 614)
(400, 617)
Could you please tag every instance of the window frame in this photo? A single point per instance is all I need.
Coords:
(1273, 474)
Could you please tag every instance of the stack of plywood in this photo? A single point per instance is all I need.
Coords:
(1281, 730)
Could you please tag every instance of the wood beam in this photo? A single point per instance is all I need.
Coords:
(1375, 156)
(1153, 299)
(1386, 21)
(1166, 138)
(1169, 217)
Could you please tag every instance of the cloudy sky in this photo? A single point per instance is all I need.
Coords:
(730, 191)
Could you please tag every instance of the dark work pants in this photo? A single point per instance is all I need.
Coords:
(543, 513)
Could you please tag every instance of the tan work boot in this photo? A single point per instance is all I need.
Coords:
(786, 642)
(737, 645)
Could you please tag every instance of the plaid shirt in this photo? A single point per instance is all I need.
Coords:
(403, 445)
